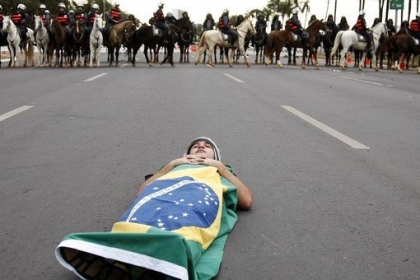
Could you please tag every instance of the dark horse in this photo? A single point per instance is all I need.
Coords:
(185, 30)
(145, 36)
(78, 44)
(404, 47)
(328, 42)
(3, 43)
(282, 37)
(60, 42)
(260, 39)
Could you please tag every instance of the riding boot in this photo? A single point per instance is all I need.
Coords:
(368, 50)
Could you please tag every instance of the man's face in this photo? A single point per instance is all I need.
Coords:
(202, 148)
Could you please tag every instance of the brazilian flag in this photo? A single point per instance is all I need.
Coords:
(175, 229)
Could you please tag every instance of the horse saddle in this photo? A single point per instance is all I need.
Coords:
(416, 41)
(157, 31)
(361, 38)
(225, 37)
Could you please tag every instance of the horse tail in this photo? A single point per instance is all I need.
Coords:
(269, 43)
(337, 42)
(202, 40)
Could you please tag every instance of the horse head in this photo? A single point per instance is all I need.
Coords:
(38, 22)
(98, 22)
(7, 23)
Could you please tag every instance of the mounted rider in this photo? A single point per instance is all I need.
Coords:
(343, 25)
(170, 18)
(209, 22)
(90, 19)
(113, 16)
(360, 27)
(20, 18)
(161, 23)
(390, 27)
(64, 20)
(415, 27)
(311, 19)
(276, 23)
(239, 20)
(331, 24)
(45, 15)
(226, 27)
(260, 27)
(80, 14)
(296, 27)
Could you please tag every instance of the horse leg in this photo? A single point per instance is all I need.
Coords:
(117, 53)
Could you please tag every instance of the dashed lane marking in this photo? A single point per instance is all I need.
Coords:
(334, 133)
(363, 81)
(95, 77)
(234, 78)
(14, 112)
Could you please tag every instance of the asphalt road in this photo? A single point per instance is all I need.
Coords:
(331, 156)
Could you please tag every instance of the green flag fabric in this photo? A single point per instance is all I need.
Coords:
(175, 229)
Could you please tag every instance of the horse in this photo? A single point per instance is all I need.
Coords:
(211, 38)
(351, 38)
(95, 41)
(43, 43)
(277, 41)
(404, 46)
(145, 35)
(60, 42)
(14, 40)
(260, 39)
(128, 35)
(115, 39)
(184, 28)
(78, 35)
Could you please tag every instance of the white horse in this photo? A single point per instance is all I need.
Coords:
(95, 41)
(350, 38)
(15, 41)
(211, 38)
(42, 41)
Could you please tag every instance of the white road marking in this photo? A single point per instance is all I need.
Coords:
(334, 133)
(363, 81)
(14, 112)
(95, 77)
(233, 78)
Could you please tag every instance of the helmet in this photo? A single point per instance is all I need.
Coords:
(295, 11)
(362, 12)
(185, 13)
(71, 12)
(1, 8)
(117, 4)
(47, 11)
(61, 5)
(95, 6)
(260, 15)
(160, 4)
(169, 14)
(226, 11)
(80, 4)
(23, 7)
(42, 6)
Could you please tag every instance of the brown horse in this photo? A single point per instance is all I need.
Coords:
(128, 35)
(145, 35)
(278, 39)
(60, 45)
(78, 43)
(115, 39)
(404, 46)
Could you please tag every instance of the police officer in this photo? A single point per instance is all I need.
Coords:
(415, 27)
(239, 20)
(296, 27)
(90, 18)
(343, 25)
(331, 24)
(391, 27)
(45, 16)
(260, 27)
(360, 27)
(80, 15)
(20, 18)
(276, 23)
(113, 16)
(209, 22)
(226, 27)
(170, 18)
(160, 22)
(311, 19)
